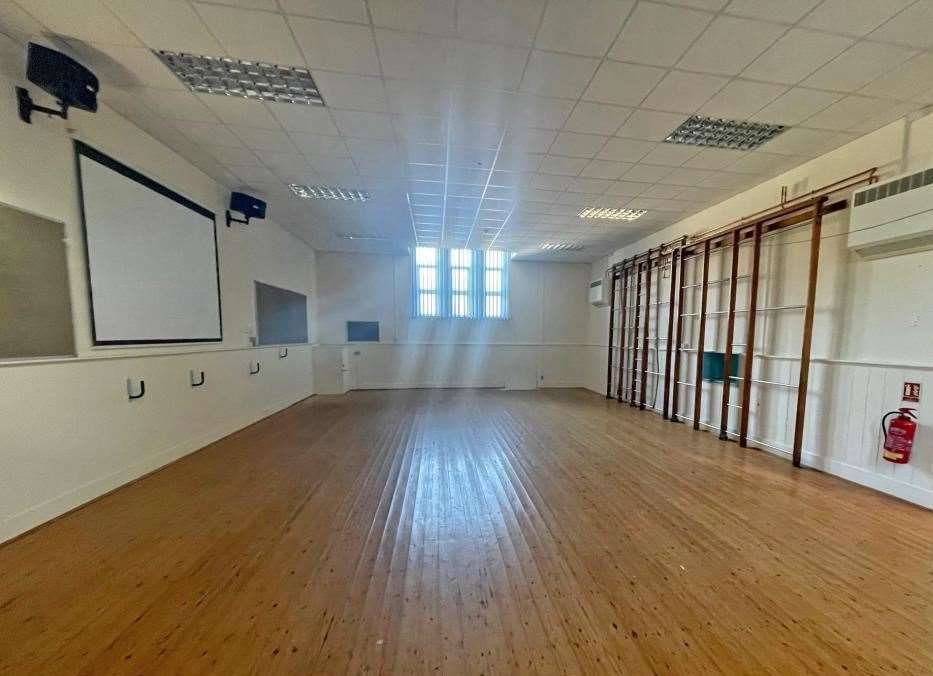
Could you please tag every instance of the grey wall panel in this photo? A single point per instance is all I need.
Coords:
(281, 315)
(35, 299)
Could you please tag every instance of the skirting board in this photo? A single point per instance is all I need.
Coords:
(34, 516)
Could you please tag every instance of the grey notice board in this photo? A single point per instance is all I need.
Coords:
(281, 315)
(35, 299)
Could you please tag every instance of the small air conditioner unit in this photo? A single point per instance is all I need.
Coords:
(894, 217)
(599, 290)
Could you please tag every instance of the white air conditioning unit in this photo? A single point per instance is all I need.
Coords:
(599, 290)
(894, 217)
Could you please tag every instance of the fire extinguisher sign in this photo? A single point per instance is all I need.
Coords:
(911, 392)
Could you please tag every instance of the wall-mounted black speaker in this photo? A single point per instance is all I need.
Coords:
(72, 85)
(249, 206)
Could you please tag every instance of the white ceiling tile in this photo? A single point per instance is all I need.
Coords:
(796, 55)
(888, 114)
(420, 129)
(263, 139)
(318, 144)
(623, 83)
(208, 133)
(328, 164)
(605, 169)
(484, 65)
(913, 27)
(172, 104)
(586, 28)
(568, 166)
(336, 46)
(512, 159)
(800, 141)
(339, 10)
(234, 156)
(543, 112)
(729, 44)
(684, 92)
(166, 24)
(20, 25)
(662, 191)
(301, 118)
(355, 92)
(853, 17)
(482, 105)
(364, 125)
(741, 99)
(596, 118)
(283, 163)
(251, 34)
(857, 66)
(906, 82)
(513, 22)
(427, 153)
(647, 173)
(472, 158)
(712, 5)
(424, 16)
(366, 149)
(475, 134)
(234, 110)
(795, 106)
(760, 162)
(577, 145)
(579, 199)
(419, 98)
(413, 56)
(722, 179)
(252, 173)
(625, 149)
(529, 140)
(670, 154)
(561, 75)
(685, 176)
(650, 125)
(86, 20)
(785, 11)
(550, 182)
(658, 34)
(848, 112)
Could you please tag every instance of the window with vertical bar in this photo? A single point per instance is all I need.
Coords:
(460, 283)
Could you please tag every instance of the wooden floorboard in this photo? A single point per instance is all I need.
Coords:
(474, 532)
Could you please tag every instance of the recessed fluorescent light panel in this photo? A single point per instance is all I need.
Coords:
(328, 192)
(612, 214)
(561, 246)
(719, 133)
(244, 79)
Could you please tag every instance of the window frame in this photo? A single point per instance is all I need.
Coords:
(472, 263)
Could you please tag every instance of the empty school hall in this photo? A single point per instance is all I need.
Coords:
(466, 337)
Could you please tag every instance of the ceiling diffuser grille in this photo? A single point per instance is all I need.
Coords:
(719, 133)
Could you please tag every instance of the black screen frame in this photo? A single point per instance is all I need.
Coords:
(83, 149)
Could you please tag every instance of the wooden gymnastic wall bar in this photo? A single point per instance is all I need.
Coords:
(791, 213)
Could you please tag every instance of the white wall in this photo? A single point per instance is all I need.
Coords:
(67, 430)
(542, 344)
(872, 329)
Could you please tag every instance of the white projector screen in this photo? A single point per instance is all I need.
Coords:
(151, 257)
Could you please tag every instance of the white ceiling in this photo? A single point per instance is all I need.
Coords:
(493, 122)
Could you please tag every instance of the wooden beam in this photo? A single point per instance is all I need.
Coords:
(730, 332)
(675, 398)
(701, 340)
(803, 381)
(644, 349)
(670, 334)
(612, 317)
(748, 358)
(637, 316)
(623, 323)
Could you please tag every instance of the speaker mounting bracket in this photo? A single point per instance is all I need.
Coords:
(26, 107)
(231, 219)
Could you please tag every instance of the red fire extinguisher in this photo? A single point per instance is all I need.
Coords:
(899, 435)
